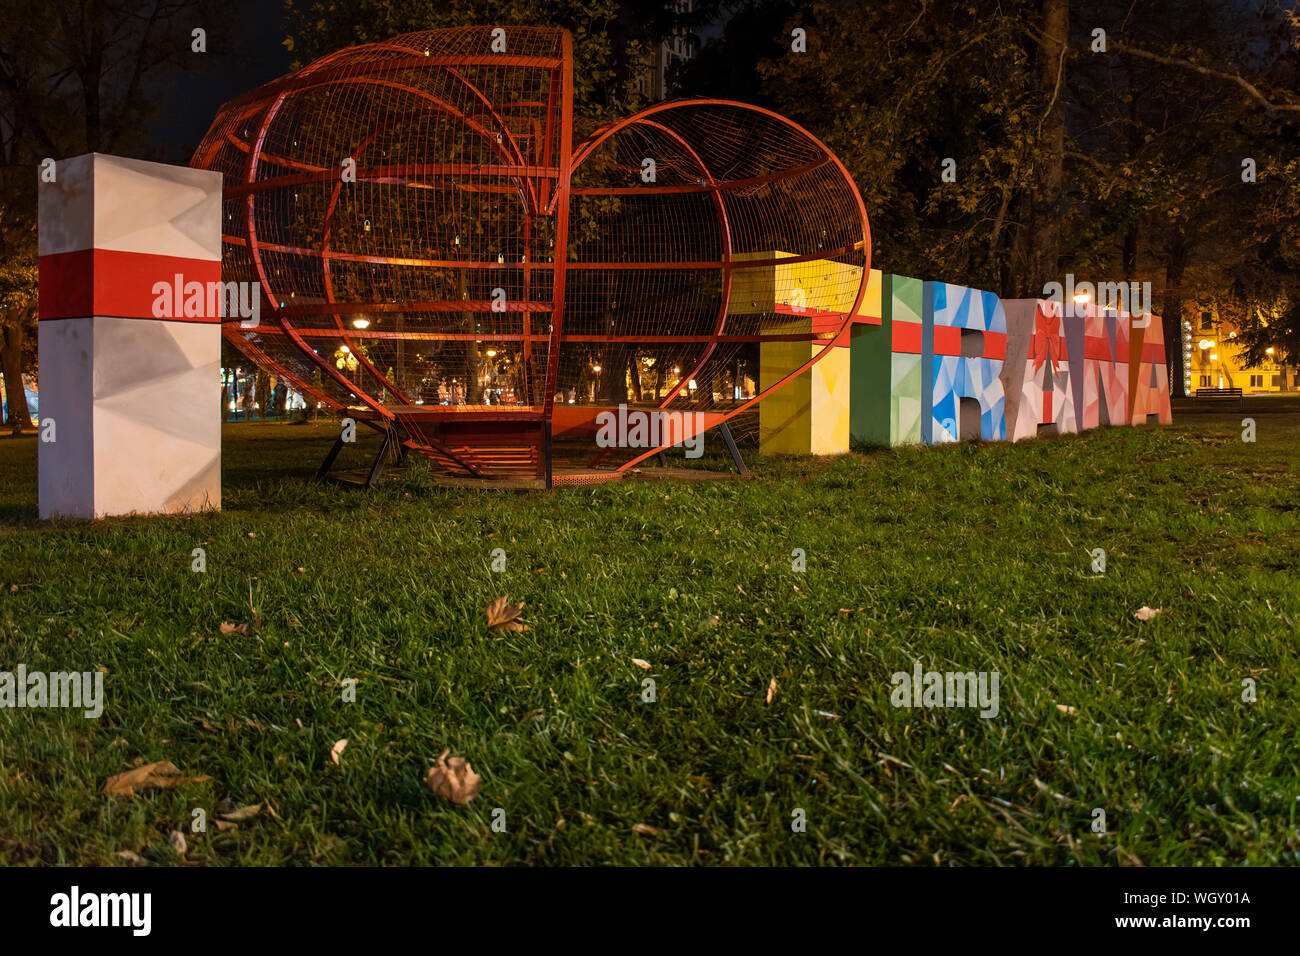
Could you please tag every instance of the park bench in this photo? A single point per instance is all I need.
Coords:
(1220, 393)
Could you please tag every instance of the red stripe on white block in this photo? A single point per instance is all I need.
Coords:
(121, 284)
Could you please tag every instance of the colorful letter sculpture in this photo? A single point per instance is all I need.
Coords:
(1148, 375)
(1037, 369)
(129, 404)
(1103, 399)
(964, 336)
(906, 377)
(948, 363)
(811, 415)
(885, 400)
(869, 368)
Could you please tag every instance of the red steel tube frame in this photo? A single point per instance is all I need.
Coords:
(543, 187)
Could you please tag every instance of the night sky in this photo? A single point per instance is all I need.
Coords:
(244, 52)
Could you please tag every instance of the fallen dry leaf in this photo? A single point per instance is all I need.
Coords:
(337, 749)
(644, 829)
(504, 616)
(704, 783)
(129, 856)
(162, 774)
(1145, 613)
(771, 690)
(1126, 858)
(644, 665)
(1067, 709)
(224, 826)
(454, 779)
(228, 628)
(243, 813)
(177, 840)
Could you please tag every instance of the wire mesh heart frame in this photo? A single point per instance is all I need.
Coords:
(436, 255)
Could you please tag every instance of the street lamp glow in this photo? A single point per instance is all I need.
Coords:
(361, 323)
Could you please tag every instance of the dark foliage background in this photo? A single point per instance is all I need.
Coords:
(1122, 163)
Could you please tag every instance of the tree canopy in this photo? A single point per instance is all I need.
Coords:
(997, 143)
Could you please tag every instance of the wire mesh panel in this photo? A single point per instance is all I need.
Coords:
(699, 230)
(435, 254)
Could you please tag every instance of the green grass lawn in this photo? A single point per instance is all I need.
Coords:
(964, 558)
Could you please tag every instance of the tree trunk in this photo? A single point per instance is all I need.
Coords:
(633, 375)
(1046, 226)
(473, 388)
(11, 364)
(261, 393)
(399, 377)
(91, 73)
(1131, 252)
(1016, 268)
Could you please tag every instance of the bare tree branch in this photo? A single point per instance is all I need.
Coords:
(1241, 81)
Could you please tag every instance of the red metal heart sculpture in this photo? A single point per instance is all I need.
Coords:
(439, 260)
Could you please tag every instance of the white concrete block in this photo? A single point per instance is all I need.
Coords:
(130, 205)
(135, 400)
